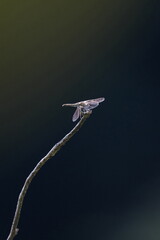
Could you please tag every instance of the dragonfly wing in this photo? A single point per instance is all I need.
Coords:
(92, 105)
(76, 115)
(99, 99)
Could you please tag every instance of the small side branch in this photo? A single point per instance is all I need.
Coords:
(50, 154)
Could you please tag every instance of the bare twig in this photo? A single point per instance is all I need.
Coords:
(50, 154)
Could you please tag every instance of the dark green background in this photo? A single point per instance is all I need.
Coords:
(105, 183)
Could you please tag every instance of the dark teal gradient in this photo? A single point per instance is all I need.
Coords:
(104, 184)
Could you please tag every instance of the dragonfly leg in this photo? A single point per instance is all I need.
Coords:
(84, 111)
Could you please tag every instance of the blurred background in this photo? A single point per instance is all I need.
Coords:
(105, 182)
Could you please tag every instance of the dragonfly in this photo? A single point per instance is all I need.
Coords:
(84, 107)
